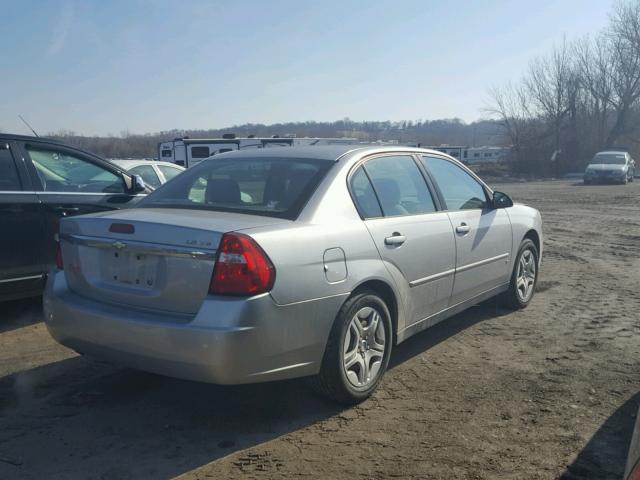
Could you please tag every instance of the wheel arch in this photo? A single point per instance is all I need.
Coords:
(534, 237)
(388, 295)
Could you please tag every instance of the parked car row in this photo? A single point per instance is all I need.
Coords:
(154, 173)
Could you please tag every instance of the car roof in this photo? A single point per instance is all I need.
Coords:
(7, 137)
(320, 152)
(29, 138)
(130, 163)
(612, 151)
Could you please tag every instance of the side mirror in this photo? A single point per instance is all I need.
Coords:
(501, 200)
(137, 184)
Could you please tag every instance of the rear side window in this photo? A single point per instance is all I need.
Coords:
(148, 174)
(167, 153)
(399, 185)
(9, 180)
(364, 196)
(270, 186)
(169, 172)
(460, 190)
(61, 172)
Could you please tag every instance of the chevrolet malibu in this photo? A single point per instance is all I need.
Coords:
(290, 262)
(611, 166)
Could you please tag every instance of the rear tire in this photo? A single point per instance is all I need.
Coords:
(524, 277)
(358, 350)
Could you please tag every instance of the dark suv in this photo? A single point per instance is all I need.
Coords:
(42, 180)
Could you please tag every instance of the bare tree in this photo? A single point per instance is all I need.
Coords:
(623, 35)
(582, 97)
(509, 105)
(596, 65)
(552, 83)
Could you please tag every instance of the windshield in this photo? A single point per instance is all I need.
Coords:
(609, 159)
(272, 186)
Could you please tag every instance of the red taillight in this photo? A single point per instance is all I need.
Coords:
(635, 473)
(242, 267)
(59, 262)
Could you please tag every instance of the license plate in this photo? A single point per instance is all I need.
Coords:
(131, 268)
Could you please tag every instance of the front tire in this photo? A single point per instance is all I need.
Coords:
(358, 350)
(524, 277)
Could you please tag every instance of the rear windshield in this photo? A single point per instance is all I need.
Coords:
(277, 187)
(609, 159)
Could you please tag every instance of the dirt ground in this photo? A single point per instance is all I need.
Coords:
(548, 392)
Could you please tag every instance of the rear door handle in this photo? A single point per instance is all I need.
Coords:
(395, 239)
(463, 228)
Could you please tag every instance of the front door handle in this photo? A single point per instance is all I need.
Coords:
(395, 239)
(463, 228)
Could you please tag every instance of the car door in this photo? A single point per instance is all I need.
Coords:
(69, 182)
(21, 232)
(482, 234)
(413, 238)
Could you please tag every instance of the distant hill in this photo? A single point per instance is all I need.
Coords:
(426, 132)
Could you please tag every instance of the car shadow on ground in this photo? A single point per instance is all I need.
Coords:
(490, 309)
(20, 313)
(80, 415)
(605, 454)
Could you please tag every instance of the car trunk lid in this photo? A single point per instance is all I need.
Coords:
(157, 259)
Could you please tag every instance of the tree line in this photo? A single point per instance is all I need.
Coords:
(580, 98)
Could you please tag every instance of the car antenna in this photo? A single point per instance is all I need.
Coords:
(27, 124)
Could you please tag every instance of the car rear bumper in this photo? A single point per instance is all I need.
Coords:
(229, 341)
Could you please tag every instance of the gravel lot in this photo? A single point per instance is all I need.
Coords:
(548, 392)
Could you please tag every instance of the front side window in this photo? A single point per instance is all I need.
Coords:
(200, 152)
(61, 172)
(364, 196)
(399, 185)
(148, 174)
(9, 180)
(460, 190)
(270, 186)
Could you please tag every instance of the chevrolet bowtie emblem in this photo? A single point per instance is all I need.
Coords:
(119, 245)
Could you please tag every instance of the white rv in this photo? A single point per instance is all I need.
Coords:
(191, 151)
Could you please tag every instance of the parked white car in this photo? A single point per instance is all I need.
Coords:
(153, 173)
(610, 166)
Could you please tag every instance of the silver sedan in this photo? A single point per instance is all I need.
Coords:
(290, 262)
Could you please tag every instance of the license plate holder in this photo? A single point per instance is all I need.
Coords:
(127, 267)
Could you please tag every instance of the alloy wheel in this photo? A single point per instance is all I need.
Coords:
(526, 275)
(364, 347)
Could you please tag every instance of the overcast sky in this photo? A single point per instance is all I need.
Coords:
(99, 67)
